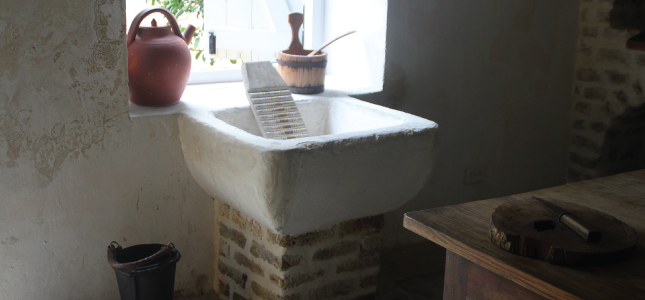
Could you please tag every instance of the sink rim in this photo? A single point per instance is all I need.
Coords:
(409, 122)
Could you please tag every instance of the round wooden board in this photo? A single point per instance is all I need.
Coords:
(514, 228)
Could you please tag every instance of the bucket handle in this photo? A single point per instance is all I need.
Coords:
(165, 250)
(134, 27)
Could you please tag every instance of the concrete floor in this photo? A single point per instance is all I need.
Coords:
(407, 273)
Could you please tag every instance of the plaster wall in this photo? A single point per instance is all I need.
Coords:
(497, 76)
(75, 171)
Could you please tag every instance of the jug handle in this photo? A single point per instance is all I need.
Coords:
(134, 27)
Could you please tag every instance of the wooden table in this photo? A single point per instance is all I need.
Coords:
(477, 269)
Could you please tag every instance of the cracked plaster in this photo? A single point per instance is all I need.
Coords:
(75, 171)
(43, 126)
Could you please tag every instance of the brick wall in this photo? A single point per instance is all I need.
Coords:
(253, 262)
(607, 118)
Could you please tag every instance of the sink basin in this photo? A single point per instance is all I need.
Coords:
(360, 160)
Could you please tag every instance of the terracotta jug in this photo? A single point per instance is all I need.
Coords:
(158, 60)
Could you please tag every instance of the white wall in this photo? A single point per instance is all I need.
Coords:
(497, 77)
(75, 171)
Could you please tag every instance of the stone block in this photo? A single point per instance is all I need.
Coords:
(588, 75)
(246, 224)
(230, 272)
(294, 280)
(224, 248)
(249, 264)
(595, 93)
(616, 77)
(581, 107)
(585, 49)
(259, 251)
(290, 260)
(224, 210)
(622, 97)
(588, 31)
(283, 263)
(340, 249)
(608, 109)
(584, 13)
(234, 235)
(237, 296)
(223, 289)
(613, 34)
(598, 127)
(613, 55)
(358, 264)
(638, 89)
(582, 161)
(307, 239)
(371, 242)
(361, 226)
(578, 141)
(579, 124)
(640, 61)
(263, 292)
(368, 281)
(369, 253)
(237, 218)
(602, 14)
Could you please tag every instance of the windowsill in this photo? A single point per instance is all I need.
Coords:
(211, 96)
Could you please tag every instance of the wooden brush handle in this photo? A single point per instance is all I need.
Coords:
(295, 20)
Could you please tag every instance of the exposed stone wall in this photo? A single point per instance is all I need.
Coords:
(251, 261)
(609, 84)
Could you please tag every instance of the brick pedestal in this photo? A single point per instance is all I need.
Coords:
(254, 262)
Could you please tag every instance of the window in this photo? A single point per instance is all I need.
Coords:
(248, 30)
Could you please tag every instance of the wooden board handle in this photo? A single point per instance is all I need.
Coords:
(582, 230)
(568, 220)
(295, 21)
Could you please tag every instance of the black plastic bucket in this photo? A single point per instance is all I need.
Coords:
(144, 272)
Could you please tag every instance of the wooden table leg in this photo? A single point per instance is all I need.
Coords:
(456, 277)
(465, 279)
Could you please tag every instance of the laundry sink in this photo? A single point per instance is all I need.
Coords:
(360, 160)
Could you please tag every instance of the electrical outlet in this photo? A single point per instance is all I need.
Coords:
(475, 174)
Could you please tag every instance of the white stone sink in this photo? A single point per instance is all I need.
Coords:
(360, 160)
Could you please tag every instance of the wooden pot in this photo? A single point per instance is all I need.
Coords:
(303, 74)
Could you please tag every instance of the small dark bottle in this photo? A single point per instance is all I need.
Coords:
(212, 49)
